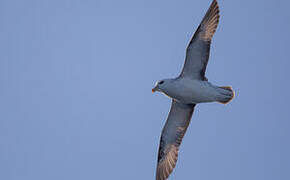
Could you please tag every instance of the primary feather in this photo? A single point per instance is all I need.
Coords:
(198, 50)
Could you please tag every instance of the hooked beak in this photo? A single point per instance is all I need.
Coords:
(154, 89)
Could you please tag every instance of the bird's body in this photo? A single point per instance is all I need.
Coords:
(194, 91)
(191, 87)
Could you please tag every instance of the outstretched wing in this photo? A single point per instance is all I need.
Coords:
(197, 52)
(171, 137)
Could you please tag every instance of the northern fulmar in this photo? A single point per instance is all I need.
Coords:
(188, 89)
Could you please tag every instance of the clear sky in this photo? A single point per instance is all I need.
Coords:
(76, 79)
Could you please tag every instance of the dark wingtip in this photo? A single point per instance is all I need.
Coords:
(210, 22)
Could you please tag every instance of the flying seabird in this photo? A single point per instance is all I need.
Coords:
(188, 89)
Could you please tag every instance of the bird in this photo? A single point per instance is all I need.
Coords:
(191, 87)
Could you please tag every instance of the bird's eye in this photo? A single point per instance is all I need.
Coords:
(161, 82)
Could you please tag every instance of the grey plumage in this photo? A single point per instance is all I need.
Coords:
(172, 134)
(188, 89)
(198, 49)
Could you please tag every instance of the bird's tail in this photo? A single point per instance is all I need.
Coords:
(227, 94)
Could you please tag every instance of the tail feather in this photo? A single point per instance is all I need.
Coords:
(228, 94)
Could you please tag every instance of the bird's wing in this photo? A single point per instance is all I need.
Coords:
(171, 137)
(197, 52)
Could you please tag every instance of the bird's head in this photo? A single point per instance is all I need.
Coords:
(160, 85)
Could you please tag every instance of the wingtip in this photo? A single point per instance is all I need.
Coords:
(210, 21)
(167, 164)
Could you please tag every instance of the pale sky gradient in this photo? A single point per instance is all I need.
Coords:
(76, 79)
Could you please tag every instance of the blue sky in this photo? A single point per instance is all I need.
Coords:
(76, 79)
